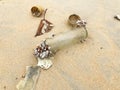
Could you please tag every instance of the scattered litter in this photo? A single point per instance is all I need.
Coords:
(73, 19)
(16, 78)
(44, 54)
(37, 11)
(117, 17)
(44, 26)
(53, 35)
(45, 51)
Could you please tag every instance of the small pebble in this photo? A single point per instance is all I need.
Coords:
(16, 78)
(4, 87)
(23, 76)
(101, 47)
(53, 35)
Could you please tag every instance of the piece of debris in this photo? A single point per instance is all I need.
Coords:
(47, 48)
(66, 39)
(44, 26)
(101, 47)
(30, 80)
(117, 17)
(23, 76)
(76, 21)
(45, 64)
(16, 78)
(37, 11)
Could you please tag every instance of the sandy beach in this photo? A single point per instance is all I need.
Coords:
(92, 65)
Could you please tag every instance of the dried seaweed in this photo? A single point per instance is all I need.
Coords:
(44, 54)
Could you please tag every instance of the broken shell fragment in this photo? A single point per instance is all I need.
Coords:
(73, 19)
(117, 17)
(36, 11)
(44, 63)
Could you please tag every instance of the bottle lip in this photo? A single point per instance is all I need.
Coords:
(36, 11)
(73, 18)
(86, 32)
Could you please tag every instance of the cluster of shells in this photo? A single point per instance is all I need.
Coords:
(42, 51)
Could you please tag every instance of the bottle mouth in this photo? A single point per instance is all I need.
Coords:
(73, 19)
(36, 11)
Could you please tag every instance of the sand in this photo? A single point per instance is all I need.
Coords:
(92, 65)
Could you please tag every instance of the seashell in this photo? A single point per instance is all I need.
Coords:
(73, 19)
(44, 63)
(37, 11)
(117, 17)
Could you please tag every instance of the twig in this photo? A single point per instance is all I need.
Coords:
(44, 13)
(39, 29)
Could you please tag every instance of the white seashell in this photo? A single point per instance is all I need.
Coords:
(45, 63)
(35, 52)
(117, 17)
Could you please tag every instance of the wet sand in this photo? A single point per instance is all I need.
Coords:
(92, 65)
